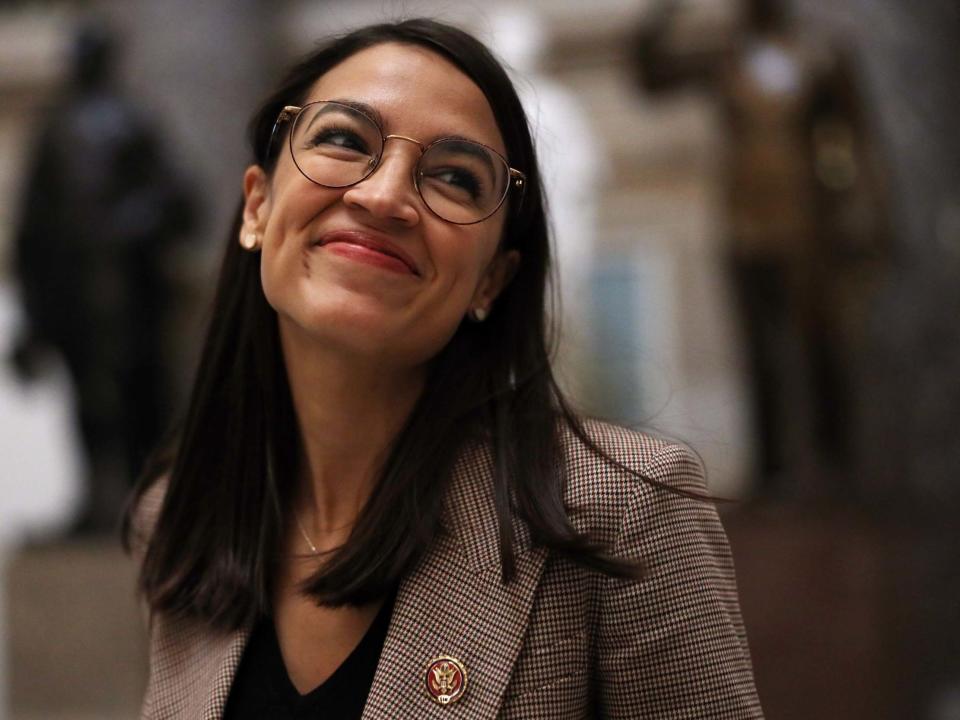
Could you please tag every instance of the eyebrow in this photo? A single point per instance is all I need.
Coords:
(361, 107)
(374, 114)
(473, 148)
(357, 107)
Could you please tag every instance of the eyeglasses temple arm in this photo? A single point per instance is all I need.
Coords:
(287, 113)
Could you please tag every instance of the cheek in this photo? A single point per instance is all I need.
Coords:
(294, 206)
(467, 257)
(272, 276)
(286, 237)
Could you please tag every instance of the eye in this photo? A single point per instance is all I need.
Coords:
(458, 178)
(338, 137)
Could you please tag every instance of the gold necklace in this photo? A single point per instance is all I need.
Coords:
(303, 532)
(313, 548)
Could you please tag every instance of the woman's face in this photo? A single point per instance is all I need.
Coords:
(369, 269)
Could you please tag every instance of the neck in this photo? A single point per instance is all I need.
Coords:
(349, 411)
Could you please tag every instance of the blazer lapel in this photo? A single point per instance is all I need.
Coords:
(224, 671)
(456, 604)
(191, 670)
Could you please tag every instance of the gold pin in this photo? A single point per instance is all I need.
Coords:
(446, 679)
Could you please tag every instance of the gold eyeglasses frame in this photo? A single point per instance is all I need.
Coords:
(516, 178)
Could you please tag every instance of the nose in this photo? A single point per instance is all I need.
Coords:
(388, 193)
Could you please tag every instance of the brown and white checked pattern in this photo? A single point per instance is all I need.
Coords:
(559, 642)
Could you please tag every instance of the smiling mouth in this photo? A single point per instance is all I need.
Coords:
(363, 247)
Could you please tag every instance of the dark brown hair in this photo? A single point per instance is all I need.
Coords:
(232, 466)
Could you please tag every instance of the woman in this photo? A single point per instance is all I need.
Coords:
(379, 503)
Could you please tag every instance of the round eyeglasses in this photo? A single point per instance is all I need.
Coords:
(336, 146)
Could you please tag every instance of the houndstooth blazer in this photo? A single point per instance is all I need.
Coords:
(559, 642)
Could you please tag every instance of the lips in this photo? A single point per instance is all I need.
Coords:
(371, 242)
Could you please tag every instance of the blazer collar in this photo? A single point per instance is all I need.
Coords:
(454, 603)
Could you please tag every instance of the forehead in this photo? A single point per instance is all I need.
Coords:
(416, 91)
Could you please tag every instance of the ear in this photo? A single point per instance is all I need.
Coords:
(256, 199)
(497, 276)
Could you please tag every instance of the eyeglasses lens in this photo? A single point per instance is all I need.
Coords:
(336, 146)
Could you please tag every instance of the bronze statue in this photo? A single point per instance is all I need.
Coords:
(101, 211)
(806, 226)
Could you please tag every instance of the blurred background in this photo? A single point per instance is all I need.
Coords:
(756, 208)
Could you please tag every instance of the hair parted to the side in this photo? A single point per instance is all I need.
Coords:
(231, 468)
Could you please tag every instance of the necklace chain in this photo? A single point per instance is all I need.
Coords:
(313, 548)
(306, 537)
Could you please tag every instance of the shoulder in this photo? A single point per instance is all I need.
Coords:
(632, 459)
(676, 634)
(144, 513)
(635, 470)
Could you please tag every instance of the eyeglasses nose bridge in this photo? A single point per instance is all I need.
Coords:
(376, 161)
(408, 139)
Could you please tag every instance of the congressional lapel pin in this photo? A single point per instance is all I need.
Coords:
(446, 679)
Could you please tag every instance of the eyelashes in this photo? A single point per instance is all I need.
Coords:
(339, 137)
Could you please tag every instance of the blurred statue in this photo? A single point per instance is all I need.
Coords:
(807, 227)
(101, 212)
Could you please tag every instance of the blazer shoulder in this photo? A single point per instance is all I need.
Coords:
(630, 457)
(146, 511)
(599, 486)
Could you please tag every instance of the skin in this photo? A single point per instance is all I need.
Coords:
(357, 332)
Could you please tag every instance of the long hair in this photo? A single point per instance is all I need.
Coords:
(232, 466)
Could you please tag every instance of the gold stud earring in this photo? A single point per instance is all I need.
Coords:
(250, 241)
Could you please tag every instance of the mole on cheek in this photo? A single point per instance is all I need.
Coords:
(305, 261)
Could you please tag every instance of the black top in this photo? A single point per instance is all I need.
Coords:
(262, 688)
